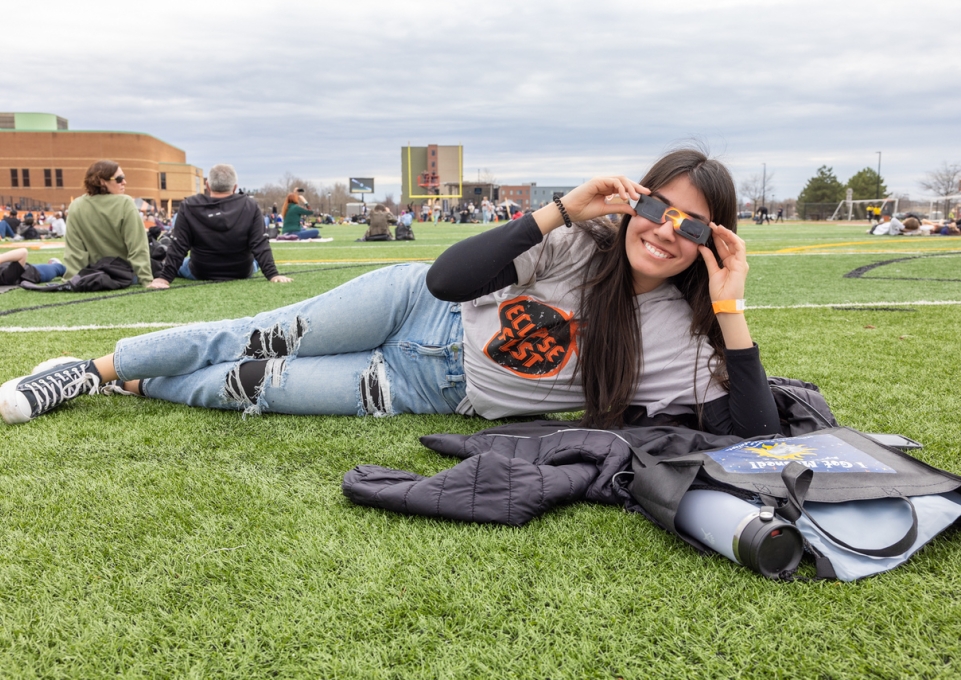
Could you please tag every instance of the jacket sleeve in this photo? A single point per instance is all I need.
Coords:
(748, 409)
(488, 487)
(260, 246)
(483, 263)
(178, 248)
(135, 239)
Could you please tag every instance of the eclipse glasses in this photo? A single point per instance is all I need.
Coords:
(684, 224)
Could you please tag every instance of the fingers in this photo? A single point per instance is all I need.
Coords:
(709, 260)
(619, 187)
(601, 196)
(727, 242)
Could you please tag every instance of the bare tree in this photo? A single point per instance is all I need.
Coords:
(487, 177)
(750, 189)
(390, 204)
(331, 200)
(943, 182)
(339, 198)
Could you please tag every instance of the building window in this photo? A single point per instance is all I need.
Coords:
(26, 178)
(59, 177)
(14, 178)
(47, 177)
(163, 181)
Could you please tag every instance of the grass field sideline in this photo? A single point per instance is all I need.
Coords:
(140, 538)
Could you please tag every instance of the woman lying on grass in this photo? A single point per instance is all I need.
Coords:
(527, 318)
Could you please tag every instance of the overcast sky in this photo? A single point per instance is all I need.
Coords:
(549, 92)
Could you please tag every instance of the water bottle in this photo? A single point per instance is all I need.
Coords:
(742, 532)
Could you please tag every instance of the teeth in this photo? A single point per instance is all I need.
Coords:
(660, 254)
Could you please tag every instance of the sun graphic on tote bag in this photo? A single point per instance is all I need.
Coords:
(782, 451)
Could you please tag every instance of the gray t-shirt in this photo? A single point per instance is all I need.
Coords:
(520, 343)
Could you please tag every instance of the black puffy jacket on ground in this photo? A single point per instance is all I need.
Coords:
(513, 473)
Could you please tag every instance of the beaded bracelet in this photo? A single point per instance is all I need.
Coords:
(560, 206)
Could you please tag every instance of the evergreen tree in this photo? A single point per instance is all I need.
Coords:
(864, 184)
(824, 187)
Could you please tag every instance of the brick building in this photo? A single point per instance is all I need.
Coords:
(426, 171)
(43, 162)
(516, 193)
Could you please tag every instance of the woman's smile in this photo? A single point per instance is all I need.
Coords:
(655, 251)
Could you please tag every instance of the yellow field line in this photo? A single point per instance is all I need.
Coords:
(823, 246)
(32, 246)
(826, 245)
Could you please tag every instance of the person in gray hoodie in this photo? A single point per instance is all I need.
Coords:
(224, 234)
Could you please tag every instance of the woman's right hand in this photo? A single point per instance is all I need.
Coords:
(596, 197)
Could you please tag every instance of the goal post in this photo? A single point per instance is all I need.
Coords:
(855, 208)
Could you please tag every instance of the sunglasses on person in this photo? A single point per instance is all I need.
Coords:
(119, 179)
(684, 224)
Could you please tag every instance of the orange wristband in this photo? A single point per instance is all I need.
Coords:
(728, 307)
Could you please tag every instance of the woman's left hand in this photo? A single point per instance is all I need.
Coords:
(727, 282)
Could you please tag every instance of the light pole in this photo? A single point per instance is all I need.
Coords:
(764, 186)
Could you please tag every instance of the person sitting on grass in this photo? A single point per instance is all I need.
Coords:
(59, 226)
(293, 210)
(105, 223)
(641, 322)
(28, 230)
(224, 233)
(379, 225)
(9, 225)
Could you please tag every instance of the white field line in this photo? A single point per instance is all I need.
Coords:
(89, 327)
(916, 303)
(765, 253)
(827, 305)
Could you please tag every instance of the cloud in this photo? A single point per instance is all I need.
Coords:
(551, 92)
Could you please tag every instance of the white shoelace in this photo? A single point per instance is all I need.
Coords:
(49, 391)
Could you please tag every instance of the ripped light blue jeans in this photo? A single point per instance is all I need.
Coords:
(380, 344)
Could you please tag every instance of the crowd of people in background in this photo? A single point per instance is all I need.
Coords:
(106, 222)
(913, 224)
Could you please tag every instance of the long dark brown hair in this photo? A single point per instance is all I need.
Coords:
(609, 358)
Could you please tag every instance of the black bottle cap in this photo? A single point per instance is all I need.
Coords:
(769, 547)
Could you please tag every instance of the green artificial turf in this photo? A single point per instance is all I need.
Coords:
(146, 539)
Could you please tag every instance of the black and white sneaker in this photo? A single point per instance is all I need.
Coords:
(23, 399)
(108, 389)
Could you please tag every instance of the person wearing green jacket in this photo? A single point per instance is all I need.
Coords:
(293, 211)
(105, 223)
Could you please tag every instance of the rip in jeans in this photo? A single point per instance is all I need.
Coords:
(269, 343)
(251, 398)
(375, 388)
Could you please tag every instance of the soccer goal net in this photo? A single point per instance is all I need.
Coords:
(861, 209)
